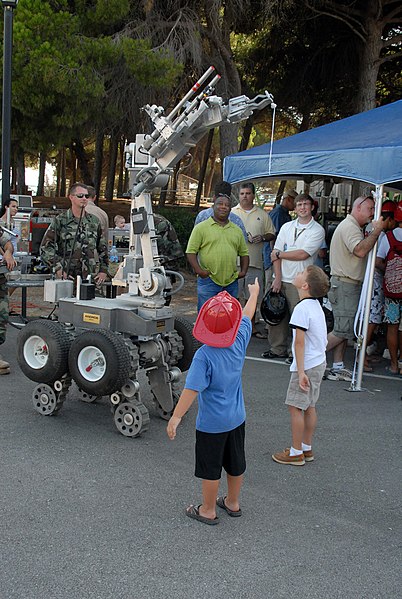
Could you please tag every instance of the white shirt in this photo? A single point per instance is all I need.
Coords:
(295, 236)
(309, 317)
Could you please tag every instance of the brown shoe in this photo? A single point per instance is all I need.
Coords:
(308, 455)
(3, 363)
(4, 371)
(284, 457)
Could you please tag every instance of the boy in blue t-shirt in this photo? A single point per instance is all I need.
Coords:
(215, 376)
(308, 366)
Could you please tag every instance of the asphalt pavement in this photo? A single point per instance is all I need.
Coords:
(88, 513)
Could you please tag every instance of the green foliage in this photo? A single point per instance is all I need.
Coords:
(182, 220)
(71, 69)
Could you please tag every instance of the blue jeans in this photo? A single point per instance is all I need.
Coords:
(206, 289)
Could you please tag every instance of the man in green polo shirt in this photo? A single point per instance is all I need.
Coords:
(212, 251)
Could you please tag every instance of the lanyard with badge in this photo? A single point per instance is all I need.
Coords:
(296, 235)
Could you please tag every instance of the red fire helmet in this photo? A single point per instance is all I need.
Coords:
(218, 321)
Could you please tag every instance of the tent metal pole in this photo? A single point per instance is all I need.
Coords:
(362, 340)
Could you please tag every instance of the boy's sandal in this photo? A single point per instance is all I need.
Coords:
(193, 511)
(220, 502)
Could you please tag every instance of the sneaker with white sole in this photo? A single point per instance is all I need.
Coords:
(3, 364)
(340, 374)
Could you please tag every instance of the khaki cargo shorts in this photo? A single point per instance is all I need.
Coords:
(305, 399)
(344, 298)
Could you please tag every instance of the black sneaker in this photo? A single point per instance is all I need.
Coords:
(270, 355)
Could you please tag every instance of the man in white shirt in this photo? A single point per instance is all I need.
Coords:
(295, 248)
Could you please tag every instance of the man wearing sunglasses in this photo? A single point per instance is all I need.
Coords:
(348, 257)
(74, 244)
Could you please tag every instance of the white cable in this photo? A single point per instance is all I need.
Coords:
(273, 106)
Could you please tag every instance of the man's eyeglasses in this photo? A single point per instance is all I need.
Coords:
(81, 195)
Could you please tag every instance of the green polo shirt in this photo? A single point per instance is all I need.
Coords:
(217, 249)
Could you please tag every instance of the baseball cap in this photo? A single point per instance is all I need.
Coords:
(398, 212)
(388, 206)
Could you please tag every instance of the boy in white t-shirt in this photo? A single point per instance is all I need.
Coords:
(308, 366)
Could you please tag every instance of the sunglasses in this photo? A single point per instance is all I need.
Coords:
(81, 195)
(366, 198)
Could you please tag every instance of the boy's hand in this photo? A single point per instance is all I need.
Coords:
(172, 426)
(304, 383)
(254, 288)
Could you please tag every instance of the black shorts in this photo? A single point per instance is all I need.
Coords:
(214, 451)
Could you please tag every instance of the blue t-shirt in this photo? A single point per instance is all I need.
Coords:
(216, 374)
(236, 220)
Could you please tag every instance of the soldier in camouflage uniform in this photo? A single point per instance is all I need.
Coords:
(7, 262)
(169, 247)
(73, 244)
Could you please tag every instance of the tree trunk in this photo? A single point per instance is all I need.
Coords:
(174, 181)
(228, 141)
(20, 186)
(113, 149)
(369, 66)
(58, 174)
(245, 138)
(73, 166)
(221, 22)
(280, 191)
(203, 169)
(163, 195)
(41, 176)
(83, 162)
(120, 182)
(126, 180)
(211, 175)
(98, 161)
(305, 123)
(63, 190)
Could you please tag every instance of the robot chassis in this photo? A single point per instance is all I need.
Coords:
(102, 344)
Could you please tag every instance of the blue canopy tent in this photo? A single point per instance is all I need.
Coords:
(366, 147)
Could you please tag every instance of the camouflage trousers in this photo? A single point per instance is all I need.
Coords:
(3, 308)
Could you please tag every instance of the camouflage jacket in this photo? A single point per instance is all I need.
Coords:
(87, 256)
(4, 237)
(169, 247)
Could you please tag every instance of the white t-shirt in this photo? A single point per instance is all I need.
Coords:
(309, 317)
(295, 236)
(383, 246)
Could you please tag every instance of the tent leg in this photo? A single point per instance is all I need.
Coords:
(356, 385)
